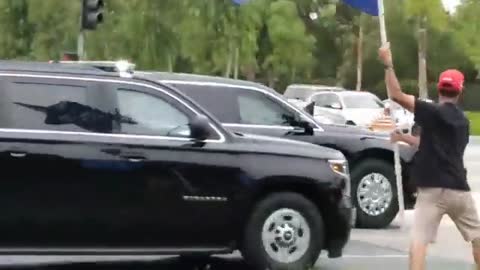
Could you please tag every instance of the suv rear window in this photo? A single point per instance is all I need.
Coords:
(42, 106)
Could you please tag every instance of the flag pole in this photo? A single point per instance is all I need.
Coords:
(397, 163)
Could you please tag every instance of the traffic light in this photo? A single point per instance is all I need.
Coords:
(92, 14)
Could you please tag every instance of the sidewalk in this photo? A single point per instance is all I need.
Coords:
(450, 244)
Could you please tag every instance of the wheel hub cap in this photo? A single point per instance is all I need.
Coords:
(286, 236)
(374, 194)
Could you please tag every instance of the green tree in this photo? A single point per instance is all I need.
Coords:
(467, 29)
(53, 34)
(221, 38)
(292, 46)
(16, 30)
(427, 14)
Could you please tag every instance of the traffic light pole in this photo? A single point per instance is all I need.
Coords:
(81, 44)
(81, 39)
(91, 16)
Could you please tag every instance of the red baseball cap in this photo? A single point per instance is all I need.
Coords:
(451, 80)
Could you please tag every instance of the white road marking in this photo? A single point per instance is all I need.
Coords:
(375, 256)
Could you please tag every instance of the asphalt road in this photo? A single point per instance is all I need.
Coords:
(368, 249)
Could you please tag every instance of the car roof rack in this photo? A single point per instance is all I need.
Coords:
(326, 88)
(123, 67)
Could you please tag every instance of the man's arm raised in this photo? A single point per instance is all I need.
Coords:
(393, 86)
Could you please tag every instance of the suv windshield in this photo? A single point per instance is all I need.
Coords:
(362, 102)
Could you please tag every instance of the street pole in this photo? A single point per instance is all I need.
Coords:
(422, 61)
(359, 55)
(81, 36)
(81, 44)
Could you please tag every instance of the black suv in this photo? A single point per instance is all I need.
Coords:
(250, 107)
(95, 162)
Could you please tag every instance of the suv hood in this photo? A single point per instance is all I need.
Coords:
(362, 117)
(355, 130)
(276, 146)
(374, 139)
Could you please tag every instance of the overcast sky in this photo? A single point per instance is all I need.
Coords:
(451, 4)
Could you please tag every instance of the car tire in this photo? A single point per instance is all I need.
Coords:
(273, 214)
(383, 173)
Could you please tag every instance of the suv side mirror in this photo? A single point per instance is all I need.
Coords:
(309, 130)
(200, 128)
(310, 108)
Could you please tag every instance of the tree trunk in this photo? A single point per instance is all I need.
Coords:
(293, 75)
(422, 63)
(271, 79)
(359, 58)
(237, 62)
(228, 70)
(250, 73)
(170, 63)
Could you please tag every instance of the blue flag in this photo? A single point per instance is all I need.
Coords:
(367, 6)
(239, 2)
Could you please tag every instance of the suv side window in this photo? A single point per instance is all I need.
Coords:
(52, 105)
(257, 109)
(218, 101)
(145, 114)
(326, 100)
(238, 106)
(320, 100)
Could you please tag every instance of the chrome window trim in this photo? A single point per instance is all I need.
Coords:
(262, 126)
(93, 136)
(257, 126)
(252, 88)
(221, 135)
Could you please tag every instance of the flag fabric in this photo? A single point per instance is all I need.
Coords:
(239, 2)
(367, 6)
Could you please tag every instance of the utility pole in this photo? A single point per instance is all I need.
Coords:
(359, 55)
(91, 17)
(422, 59)
(81, 45)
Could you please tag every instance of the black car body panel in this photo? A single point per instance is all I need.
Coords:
(223, 97)
(80, 175)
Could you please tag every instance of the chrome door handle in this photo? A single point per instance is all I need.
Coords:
(18, 154)
(136, 160)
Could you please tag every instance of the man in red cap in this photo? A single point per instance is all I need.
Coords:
(438, 170)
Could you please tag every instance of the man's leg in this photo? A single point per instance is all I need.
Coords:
(427, 218)
(418, 254)
(464, 215)
(476, 252)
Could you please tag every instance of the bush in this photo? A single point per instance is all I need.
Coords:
(474, 118)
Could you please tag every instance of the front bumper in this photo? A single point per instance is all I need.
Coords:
(340, 223)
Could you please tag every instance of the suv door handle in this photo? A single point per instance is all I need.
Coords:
(134, 159)
(18, 154)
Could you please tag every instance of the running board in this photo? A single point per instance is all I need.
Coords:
(112, 251)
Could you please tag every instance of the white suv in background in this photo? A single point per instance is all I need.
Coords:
(357, 108)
